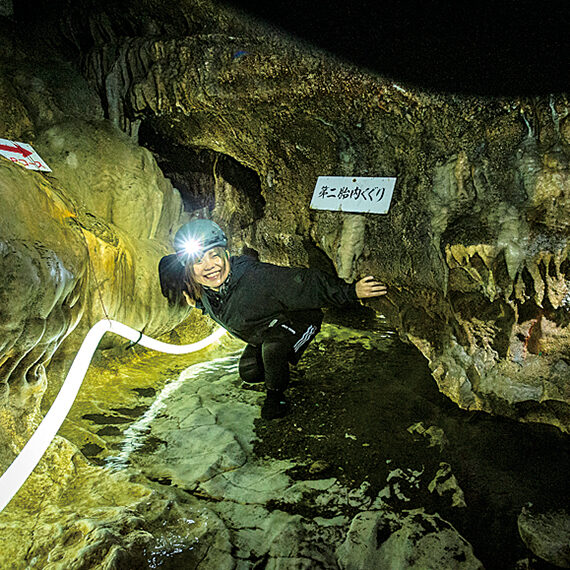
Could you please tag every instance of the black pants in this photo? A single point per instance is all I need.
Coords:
(269, 361)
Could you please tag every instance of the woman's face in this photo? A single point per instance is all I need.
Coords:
(212, 269)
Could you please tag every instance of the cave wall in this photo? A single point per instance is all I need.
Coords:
(76, 244)
(474, 248)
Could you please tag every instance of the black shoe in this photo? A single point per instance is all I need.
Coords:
(257, 380)
(275, 405)
(257, 386)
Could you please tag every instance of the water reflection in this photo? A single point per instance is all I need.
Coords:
(134, 436)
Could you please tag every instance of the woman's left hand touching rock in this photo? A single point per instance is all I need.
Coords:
(368, 287)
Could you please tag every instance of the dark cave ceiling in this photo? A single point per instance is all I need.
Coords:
(484, 48)
(490, 48)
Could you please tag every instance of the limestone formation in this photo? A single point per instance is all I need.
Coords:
(73, 515)
(474, 247)
(203, 443)
(77, 244)
(380, 540)
(44, 268)
(474, 250)
(70, 257)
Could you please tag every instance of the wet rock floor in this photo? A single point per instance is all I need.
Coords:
(359, 414)
(366, 412)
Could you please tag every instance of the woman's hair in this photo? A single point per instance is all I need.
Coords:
(193, 288)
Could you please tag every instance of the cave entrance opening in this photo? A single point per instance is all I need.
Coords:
(206, 179)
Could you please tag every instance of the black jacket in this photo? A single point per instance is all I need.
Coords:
(256, 293)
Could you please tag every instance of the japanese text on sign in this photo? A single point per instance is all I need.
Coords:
(22, 154)
(353, 194)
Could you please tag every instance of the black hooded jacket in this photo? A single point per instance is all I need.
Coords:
(257, 295)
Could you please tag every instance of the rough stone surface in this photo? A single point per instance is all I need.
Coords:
(475, 246)
(202, 441)
(415, 540)
(352, 443)
(70, 514)
(547, 535)
(76, 244)
(44, 264)
(64, 266)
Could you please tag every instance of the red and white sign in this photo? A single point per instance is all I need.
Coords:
(22, 154)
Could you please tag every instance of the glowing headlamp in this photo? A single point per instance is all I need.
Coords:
(192, 248)
(193, 239)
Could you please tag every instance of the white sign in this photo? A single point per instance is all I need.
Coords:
(353, 194)
(23, 154)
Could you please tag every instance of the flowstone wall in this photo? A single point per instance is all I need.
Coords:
(78, 243)
(475, 246)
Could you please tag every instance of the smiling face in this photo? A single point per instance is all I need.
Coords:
(212, 269)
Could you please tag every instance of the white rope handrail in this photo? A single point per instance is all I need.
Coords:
(21, 468)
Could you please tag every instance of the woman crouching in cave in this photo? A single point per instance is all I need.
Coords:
(275, 310)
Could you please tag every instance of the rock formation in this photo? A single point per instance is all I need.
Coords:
(547, 535)
(474, 248)
(77, 244)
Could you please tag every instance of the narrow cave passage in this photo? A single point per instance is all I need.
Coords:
(205, 178)
(368, 434)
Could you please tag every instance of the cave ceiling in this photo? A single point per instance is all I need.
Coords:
(482, 48)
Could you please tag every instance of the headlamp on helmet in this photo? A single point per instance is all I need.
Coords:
(195, 238)
(192, 248)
